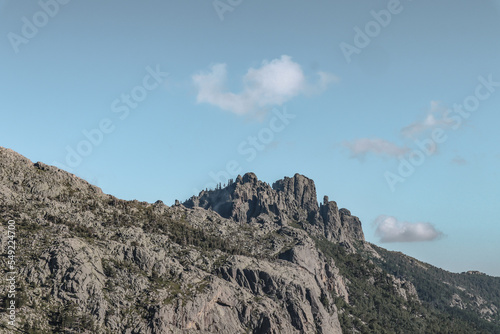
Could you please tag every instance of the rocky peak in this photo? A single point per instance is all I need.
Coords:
(250, 178)
(291, 200)
(299, 189)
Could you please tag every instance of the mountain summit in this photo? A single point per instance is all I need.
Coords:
(246, 258)
(290, 200)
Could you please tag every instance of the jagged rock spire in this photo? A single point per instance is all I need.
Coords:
(289, 200)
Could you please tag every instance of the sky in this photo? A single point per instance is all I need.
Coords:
(391, 107)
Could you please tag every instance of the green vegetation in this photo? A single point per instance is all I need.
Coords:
(81, 231)
(295, 224)
(108, 269)
(435, 287)
(69, 317)
(184, 234)
(375, 307)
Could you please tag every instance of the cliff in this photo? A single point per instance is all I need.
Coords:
(288, 201)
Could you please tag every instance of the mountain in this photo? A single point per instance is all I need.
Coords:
(289, 201)
(243, 258)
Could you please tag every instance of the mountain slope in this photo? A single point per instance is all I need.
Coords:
(471, 296)
(246, 258)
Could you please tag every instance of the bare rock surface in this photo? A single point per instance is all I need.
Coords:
(288, 201)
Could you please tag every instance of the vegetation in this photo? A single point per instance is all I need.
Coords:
(184, 234)
(69, 317)
(435, 287)
(375, 307)
(295, 224)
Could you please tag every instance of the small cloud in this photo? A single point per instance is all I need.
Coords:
(459, 161)
(360, 147)
(273, 84)
(389, 229)
(433, 118)
(325, 79)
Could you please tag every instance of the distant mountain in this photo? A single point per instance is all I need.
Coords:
(246, 257)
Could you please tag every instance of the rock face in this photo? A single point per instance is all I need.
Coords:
(288, 201)
(248, 258)
(94, 262)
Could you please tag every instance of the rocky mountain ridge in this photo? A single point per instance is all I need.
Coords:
(248, 199)
(247, 258)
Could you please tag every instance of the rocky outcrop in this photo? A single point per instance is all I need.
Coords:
(282, 283)
(288, 201)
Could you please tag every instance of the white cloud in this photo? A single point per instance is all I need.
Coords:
(360, 147)
(389, 229)
(436, 116)
(433, 118)
(273, 84)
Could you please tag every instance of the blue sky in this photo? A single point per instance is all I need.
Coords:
(390, 106)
